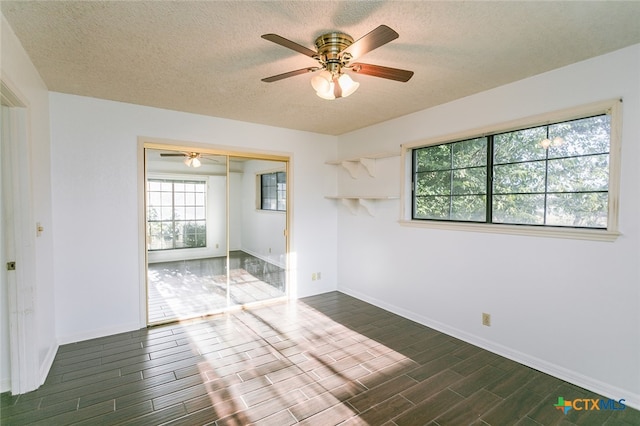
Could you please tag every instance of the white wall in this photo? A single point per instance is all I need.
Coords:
(262, 230)
(20, 74)
(567, 307)
(95, 203)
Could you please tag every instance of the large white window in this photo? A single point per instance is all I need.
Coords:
(558, 175)
(176, 214)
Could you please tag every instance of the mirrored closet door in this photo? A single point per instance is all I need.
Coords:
(215, 232)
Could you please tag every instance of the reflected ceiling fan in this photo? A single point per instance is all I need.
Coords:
(191, 159)
(335, 53)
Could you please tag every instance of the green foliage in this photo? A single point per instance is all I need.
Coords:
(562, 184)
(194, 234)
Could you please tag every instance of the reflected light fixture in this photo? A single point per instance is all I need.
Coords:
(546, 143)
(193, 160)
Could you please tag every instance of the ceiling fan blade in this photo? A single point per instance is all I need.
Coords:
(383, 72)
(275, 38)
(376, 38)
(181, 154)
(289, 74)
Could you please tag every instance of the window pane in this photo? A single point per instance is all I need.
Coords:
(179, 213)
(169, 230)
(166, 198)
(519, 209)
(433, 158)
(472, 208)
(519, 178)
(581, 210)
(273, 188)
(179, 198)
(469, 153)
(155, 199)
(432, 207)
(190, 213)
(579, 174)
(434, 183)
(470, 181)
(523, 145)
(166, 213)
(580, 137)
(153, 213)
(167, 235)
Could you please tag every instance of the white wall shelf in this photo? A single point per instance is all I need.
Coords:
(368, 202)
(367, 161)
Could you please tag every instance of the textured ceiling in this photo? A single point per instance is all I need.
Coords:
(207, 57)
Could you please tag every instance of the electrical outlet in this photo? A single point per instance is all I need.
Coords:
(269, 250)
(217, 245)
(314, 276)
(486, 319)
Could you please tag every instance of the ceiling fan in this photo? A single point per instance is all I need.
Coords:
(191, 159)
(335, 52)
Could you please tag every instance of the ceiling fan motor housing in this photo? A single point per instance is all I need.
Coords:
(330, 46)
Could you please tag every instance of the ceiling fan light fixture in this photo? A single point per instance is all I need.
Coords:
(321, 82)
(348, 85)
(192, 160)
(324, 85)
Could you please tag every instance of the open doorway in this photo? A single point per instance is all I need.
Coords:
(215, 231)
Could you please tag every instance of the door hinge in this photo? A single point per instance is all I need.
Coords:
(11, 266)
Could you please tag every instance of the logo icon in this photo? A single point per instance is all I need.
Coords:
(563, 405)
(588, 404)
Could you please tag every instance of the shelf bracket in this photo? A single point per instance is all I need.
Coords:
(351, 167)
(369, 205)
(354, 203)
(370, 165)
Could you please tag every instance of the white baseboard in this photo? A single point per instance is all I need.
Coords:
(94, 334)
(594, 385)
(48, 362)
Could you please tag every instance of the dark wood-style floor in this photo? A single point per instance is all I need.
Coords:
(324, 360)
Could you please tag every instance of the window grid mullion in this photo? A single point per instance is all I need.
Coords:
(489, 200)
(451, 181)
(546, 181)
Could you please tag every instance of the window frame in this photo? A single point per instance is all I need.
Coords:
(173, 180)
(260, 189)
(610, 107)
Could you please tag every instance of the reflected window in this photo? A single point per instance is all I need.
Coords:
(273, 191)
(176, 214)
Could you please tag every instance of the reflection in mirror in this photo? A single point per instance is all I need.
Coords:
(186, 234)
(215, 233)
(257, 223)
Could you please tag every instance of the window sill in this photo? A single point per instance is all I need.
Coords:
(534, 231)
